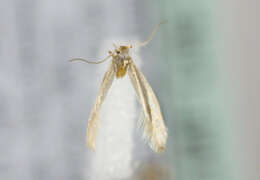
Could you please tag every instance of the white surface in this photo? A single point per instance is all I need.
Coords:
(118, 117)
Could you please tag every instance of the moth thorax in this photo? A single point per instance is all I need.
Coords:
(124, 49)
(121, 68)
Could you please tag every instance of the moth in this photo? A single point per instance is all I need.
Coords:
(154, 129)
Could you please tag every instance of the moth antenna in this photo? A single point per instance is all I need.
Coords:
(151, 35)
(115, 46)
(90, 62)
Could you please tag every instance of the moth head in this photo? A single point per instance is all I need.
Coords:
(123, 49)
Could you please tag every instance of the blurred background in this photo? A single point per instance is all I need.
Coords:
(203, 66)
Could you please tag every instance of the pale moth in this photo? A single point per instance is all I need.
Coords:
(154, 130)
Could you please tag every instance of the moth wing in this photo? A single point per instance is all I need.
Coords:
(93, 119)
(154, 130)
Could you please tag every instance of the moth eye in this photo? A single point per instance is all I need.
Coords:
(118, 52)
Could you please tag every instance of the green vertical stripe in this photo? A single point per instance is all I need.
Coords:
(197, 144)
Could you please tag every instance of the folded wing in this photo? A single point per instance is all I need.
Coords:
(93, 119)
(154, 130)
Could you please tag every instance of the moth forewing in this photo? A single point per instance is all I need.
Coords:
(93, 119)
(159, 136)
(139, 88)
(154, 130)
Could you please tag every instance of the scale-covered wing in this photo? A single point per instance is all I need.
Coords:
(154, 130)
(93, 119)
